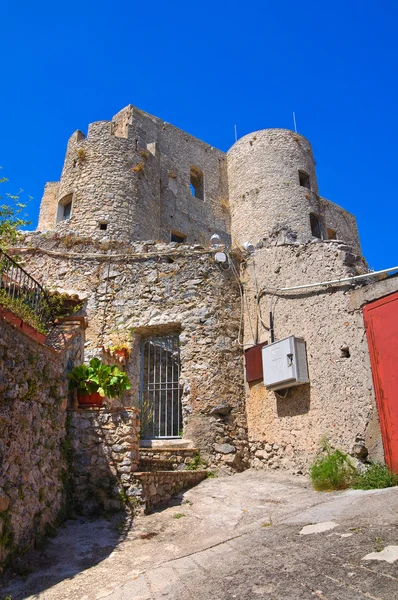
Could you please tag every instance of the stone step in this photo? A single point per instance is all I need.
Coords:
(164, 459)
(168, 443)
(148, 464)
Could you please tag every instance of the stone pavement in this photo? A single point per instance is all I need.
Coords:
(244, 537)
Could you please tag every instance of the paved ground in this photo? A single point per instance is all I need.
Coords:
(239, 538)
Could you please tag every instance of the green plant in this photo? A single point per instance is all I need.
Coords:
(107, 380)
(375, 477)
(196, 463)
(146, 416)
(81, 155)
(61, 304)
(12, 218)
(21, 310)
(178, 515)
(331, 470)
(267, 523)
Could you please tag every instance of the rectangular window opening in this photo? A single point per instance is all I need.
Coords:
(315, 226)
(103, 226)
(304, 179)
(64, 210)
(332, 234)
(196, 183)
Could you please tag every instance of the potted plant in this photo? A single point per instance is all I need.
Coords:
(121, 350)
(96, 380)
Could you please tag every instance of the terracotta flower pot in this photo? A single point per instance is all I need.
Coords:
(121, 353)
(94, 399)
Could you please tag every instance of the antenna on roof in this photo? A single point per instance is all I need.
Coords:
(294, 121)
(236, 134)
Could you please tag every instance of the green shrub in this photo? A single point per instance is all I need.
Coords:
(375, 477)
(331, 470)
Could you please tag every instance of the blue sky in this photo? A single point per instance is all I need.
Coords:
(205, 66)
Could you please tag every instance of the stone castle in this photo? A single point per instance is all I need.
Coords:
(139, 178)
(195, 263)
(128, 228)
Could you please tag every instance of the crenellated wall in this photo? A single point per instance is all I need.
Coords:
(132, 174)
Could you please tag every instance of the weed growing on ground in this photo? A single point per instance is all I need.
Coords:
(178, 515)
(196, 463)
(375, 477)
(267, 523)
(331, 470)
(379, 545)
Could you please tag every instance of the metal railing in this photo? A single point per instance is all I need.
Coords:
(18, 285)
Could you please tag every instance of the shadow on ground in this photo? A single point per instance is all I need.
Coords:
(79, 544)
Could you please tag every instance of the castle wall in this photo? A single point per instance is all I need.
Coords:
(48, 207)
(154, 289)
(133, 174)
(266, 198)
(339, 401)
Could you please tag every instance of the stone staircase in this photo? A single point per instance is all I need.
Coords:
(161, 471)
(167, 455)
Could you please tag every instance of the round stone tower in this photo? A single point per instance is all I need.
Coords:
(109, 186)
(272, 187)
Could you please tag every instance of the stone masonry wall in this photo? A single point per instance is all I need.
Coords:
(104, 454)
(266, 198)
(338, 402)
(148, 289)
(134, 166)
(156, 488)
(33, 399)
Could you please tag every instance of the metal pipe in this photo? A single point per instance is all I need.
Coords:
(327, 283)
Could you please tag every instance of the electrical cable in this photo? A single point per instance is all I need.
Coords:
(329, 283)
(258, 297)
(243, 300)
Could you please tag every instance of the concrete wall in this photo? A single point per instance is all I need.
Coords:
(33, 398)
(152, 289)
(338, 402)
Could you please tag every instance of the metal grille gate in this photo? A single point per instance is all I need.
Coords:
(160, 390)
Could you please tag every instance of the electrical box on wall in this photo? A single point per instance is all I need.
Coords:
(285, 363)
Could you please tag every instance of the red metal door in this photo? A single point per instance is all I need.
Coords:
(381, 322)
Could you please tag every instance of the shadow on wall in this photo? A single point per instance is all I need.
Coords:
(296, 402)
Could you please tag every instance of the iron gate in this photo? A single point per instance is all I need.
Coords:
(160, 390)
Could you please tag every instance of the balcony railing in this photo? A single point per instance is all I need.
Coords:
(19, 290)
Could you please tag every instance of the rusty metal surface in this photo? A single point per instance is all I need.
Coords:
(253, 362)
(381, 322)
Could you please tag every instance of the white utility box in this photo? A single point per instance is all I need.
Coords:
(285, 363)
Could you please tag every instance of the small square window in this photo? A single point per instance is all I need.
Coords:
(332, 234)
(177, 237)
(103, 226)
